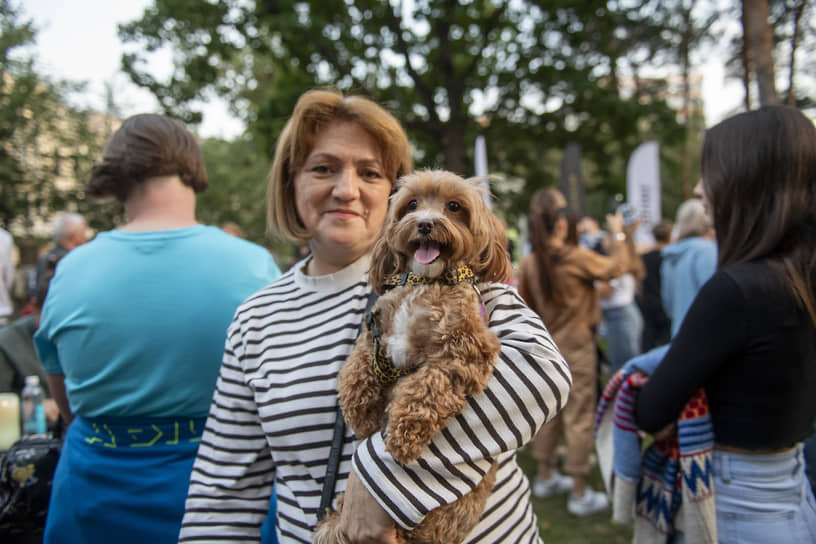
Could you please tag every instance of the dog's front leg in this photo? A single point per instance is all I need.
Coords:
(421, 403)
(362, 396)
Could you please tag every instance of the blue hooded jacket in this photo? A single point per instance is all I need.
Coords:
(687, 265)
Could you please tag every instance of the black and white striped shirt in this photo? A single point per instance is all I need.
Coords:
(275, 405)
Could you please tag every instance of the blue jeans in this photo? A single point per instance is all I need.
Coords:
(624, 327)
(763, 498)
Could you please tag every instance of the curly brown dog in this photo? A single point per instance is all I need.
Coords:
(426, 346)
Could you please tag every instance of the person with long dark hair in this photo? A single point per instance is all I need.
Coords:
(557, 280)
(749, 338)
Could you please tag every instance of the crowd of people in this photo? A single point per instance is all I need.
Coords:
(198, 383)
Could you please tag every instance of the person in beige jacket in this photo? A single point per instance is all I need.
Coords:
(557, 280)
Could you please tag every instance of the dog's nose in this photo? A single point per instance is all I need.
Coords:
(425, 226)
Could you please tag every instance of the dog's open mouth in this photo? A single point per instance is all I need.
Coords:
(427, 252)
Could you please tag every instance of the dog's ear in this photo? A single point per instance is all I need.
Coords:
(494, 261)
(384, 262)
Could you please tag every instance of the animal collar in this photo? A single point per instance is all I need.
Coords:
(451, 276)
(381, 364)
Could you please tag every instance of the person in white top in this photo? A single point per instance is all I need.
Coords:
(275, 405)
(6, 275)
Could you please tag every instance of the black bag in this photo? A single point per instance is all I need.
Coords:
(26, 474)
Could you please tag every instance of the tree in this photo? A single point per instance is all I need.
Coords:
(237, 173)
(793, 34)
(541, 72)
(45, 145)
(759, 48)
(794, 42)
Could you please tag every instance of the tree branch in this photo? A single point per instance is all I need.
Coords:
(394, 23)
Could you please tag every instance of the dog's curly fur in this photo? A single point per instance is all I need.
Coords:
(436, 330)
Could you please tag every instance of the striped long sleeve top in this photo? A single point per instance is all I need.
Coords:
(273, 413)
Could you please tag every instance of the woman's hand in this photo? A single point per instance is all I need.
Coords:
(663, 434)
(52, 412)
(363, 520)
(614, 223)
(604, 289)
(630, 229)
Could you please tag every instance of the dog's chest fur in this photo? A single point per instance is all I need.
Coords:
(411, 310)
(418, 320)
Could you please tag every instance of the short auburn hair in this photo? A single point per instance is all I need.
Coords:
(146, 146)
(314, 111)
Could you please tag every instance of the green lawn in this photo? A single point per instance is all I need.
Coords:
(558, 526)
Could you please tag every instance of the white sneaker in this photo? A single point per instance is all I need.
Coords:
(558, 484)
(591, 503)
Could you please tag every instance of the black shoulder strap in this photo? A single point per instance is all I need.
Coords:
(337, 439)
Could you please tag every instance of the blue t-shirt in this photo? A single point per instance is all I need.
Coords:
(136, 321)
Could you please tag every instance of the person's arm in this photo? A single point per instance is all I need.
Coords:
(49, 359)
(636, 267)
(529, 385)
(7, 265)
(596, 267)
(56, 383)
(9, 377)
(522, 285)
(233, 474)
(713, 331)
(604, 289)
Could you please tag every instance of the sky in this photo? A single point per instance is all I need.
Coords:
(77, 40)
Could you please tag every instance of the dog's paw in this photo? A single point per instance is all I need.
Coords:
(406, 438)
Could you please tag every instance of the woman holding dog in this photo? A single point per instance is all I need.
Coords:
(749, 337)
(557, 280)
(275, 405)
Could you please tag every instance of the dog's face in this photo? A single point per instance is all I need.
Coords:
(438, 220)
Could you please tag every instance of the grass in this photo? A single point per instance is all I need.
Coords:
(557, 526)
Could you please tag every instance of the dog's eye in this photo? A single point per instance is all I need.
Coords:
(412, 205)
(454, 206)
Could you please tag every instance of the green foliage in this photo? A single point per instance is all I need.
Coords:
(544, 73)
(237, 173)
(557, 526)
(237, 187)
(44, 143)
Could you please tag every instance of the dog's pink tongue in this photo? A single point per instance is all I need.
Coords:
(426, 252)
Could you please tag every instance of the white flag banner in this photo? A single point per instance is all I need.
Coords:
(480, 166)
(643, 189)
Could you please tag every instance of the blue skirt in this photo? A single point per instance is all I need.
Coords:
(122, 480)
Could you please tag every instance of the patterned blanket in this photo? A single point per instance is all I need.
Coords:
(667, 487)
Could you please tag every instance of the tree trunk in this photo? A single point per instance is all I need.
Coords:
(685, 61)
(746, 72)
(798, 9)
(453, 144)
(759, 46)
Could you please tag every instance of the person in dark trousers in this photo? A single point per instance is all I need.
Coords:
(656, 324)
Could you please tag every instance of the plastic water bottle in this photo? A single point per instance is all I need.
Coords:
(33, 411)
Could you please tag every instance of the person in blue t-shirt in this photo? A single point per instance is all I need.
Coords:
(131, 338)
